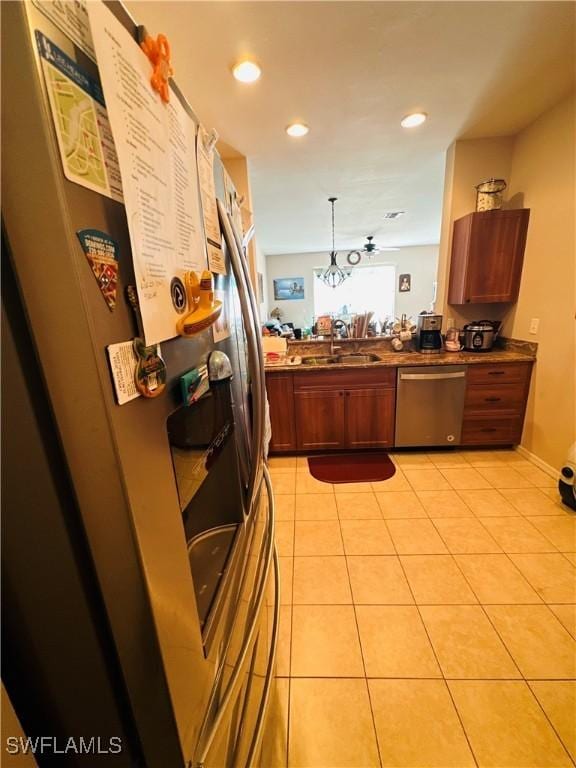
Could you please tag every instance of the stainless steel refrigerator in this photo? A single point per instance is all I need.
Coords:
(140, 581)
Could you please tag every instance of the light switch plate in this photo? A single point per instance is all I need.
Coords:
(534, 323)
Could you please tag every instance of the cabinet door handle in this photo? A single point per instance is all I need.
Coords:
(492, 399)
(496, 373)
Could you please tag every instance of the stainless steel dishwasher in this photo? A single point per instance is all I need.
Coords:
(430, 405)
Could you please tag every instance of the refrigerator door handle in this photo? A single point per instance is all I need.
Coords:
(270, 669)
(254, 356)
(241, 245)
(248, 236)
(249, 637)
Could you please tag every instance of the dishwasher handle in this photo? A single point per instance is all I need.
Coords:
(431, 376)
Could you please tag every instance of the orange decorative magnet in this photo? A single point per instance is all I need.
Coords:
(158, 51)
(205, 310)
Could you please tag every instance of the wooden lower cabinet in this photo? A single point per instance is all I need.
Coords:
(356, 408)
(331, 410)
(320, 420)
(369, 418)
(280, 390)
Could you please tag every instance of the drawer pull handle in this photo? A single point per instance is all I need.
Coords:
(496, 373)
(488, 429)
(492, 399)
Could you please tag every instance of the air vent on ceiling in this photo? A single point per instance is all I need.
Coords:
(393, 214)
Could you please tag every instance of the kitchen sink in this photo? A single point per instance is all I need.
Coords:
(353, 359)
(350, 359)
(318, 360)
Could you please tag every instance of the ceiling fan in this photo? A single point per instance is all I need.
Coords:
(370, 248)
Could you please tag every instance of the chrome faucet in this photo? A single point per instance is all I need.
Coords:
(333, 324)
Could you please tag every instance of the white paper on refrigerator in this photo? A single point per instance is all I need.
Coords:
(72, 19)
(156, 145)
(205, 159)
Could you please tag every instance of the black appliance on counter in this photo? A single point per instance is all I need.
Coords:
(480, 335)
(428, 335)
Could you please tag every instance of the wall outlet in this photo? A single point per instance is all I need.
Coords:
(450, 322)
(534, 323)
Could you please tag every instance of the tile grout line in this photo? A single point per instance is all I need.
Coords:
(452, 555)
(552, 726)
(523, 678)
(447, 687)
(288, 718)
(375, 731)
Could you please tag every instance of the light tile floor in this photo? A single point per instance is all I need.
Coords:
(428, 620)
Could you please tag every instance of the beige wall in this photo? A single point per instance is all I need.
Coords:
(418, 261)
(468, 162)
(238, 168)
(539, 166)
(543, 179)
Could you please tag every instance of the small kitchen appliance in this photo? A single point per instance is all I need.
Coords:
(480, 335)
(428, 335)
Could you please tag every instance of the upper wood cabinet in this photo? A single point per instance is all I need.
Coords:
(487, 255)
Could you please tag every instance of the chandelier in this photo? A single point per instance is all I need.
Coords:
(333, 275)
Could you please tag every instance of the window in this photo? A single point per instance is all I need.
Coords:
(368, 289)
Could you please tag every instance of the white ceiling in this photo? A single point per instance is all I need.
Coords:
(351, 70)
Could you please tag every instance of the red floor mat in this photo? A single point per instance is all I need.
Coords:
(352, 467)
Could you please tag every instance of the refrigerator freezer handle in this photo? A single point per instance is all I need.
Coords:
(270, 669)
(236, 676)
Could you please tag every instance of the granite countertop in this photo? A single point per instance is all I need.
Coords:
(391, 359)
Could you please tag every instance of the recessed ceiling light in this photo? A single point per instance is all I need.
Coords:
(246, 71)
(411, 121)
(297, 129)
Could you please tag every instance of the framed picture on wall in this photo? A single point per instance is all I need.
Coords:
(288, 288)
(404, 283)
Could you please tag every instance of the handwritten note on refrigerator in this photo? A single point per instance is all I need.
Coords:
(156, 146)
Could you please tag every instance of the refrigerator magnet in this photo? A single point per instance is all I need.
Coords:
(194, 384)
(102, 255)
(150, 373)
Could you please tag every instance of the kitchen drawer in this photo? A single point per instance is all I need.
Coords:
(355, 378)
(502, 430)
(502, 373)
(495, 397)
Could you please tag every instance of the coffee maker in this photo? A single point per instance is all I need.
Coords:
(428, 335)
